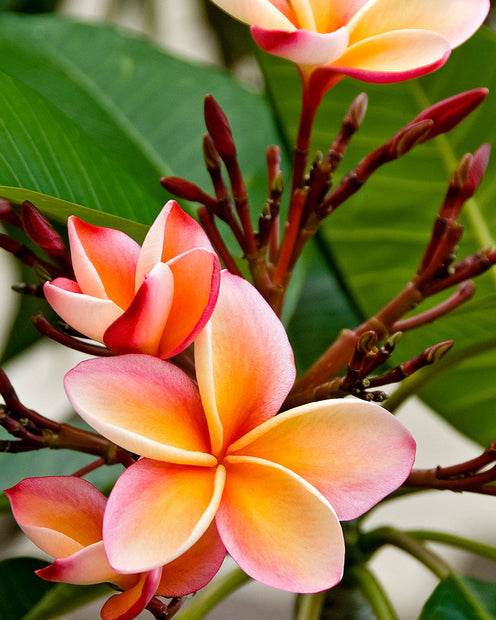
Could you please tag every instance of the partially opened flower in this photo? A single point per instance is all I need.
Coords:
(63, 516)
(276, 487)
(151, 300)
(372, 40)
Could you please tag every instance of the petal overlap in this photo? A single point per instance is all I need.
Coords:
(354, 453)
(278, 528)
(157, 511)
(130, 603)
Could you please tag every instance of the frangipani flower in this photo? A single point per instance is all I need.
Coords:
(276, 487)
(151, 300)
(372, 40)
(63, 516)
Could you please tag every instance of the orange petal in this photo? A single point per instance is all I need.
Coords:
(60, 514)
(157, 511)
(129, 604)
(278, 528)
(143, 404)
(173, 232)
(141, 327)
(354, 453)
(104, 261)
(85, 567)
(195, 568)
(90, 316)
(330, 16)
(244, 362)
(196, 270)
(455, 20)
(394, 56)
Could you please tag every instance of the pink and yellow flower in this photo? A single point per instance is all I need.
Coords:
(276, 487)
(153, 299)
(63, 516)
(371, 40)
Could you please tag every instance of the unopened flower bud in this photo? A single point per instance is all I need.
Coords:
(185, 189)
(41, 232)
(409, 137)
(210, 154)
(7, 213)
(219, 128)
(358, 110)
(449, 113)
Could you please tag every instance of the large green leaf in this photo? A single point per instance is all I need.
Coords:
(461, 598)
(24, 596)
(377, 238)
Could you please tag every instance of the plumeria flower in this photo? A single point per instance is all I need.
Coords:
(63, 516)
(139, 299)
(372, 40)
(275, 486)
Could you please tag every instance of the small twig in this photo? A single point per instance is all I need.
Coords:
(207, 221)
(49, 330)
(164, 611)
(89, 468)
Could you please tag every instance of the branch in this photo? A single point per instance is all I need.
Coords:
(50, 331)
(164, 611)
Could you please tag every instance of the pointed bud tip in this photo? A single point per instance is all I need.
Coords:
(219, 128)
(358, 109)
(40, 231)
(438, 351)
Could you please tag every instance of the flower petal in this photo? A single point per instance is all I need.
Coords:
(60, 514)
(394, 56)
(141, 327)
(195, 568)
(173, 232)
(130, 603)
(302, 46)
(330, 16)
(196, 288)
(244, 362)
(263, 13)
(88, 315)
(85, 567)
(278, 528)
(455, 20)
(143, 404)
(104, 261)
(354, 453)
(157, 511)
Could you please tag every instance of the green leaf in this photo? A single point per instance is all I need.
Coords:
(461, 598)
(24, 596)
(20, 588)
(137, 104)
(377, 239)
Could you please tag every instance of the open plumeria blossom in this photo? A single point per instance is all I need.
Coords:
(372, 40)
(276, 487)
(63, 516)
(139, 299)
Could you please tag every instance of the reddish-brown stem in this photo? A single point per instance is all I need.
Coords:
(462, 295)
(309, 108)
(292, 228)
(274, 173)
(87, 469)
(164, 611)
(25, 255)
(50, 331)
(207, 221)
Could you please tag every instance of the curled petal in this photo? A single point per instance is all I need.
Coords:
(59, 514)
(394, 56)
(195, 568)
(244, 362)
(196, 276)
(263, 13)
(143, 404)
(354, 453)
(140, 328)
(157, 511)
(173, 232)
(302, 46)
(87, 315)
(455, 20)
(85, 567)
(130, 603)
(104, 261)
(278, 528)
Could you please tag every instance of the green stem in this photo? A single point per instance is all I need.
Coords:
(310, 606)
(416, 382)
(486, 551)
(404, 541)
(374, 593)
(214, 594)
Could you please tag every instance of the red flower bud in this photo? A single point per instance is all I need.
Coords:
(219, 128)
(39, 230)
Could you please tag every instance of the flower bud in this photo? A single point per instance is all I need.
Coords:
(409, 137)
(219, 128)
(39, 230)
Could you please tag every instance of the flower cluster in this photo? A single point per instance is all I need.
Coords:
(218, 469)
